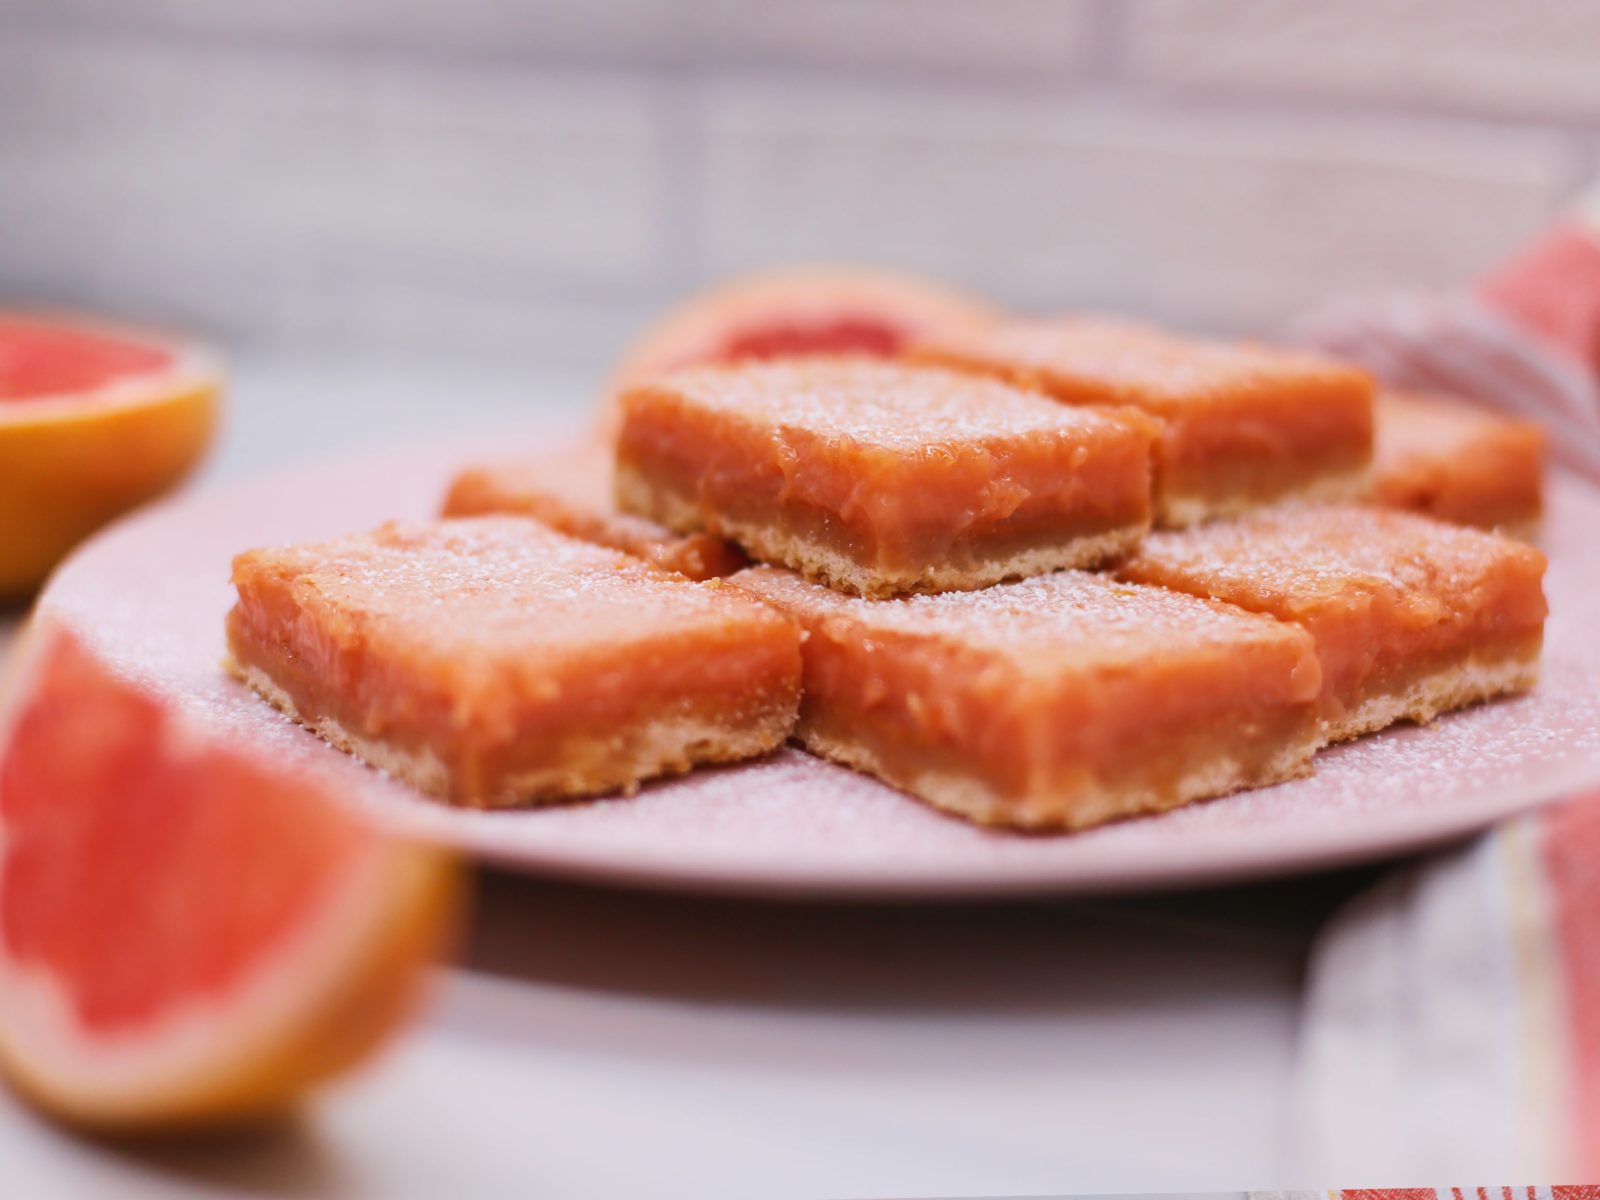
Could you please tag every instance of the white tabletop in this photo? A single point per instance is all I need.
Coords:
(605, 1043)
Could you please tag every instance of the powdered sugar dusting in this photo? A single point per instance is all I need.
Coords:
(1296, 561)
(581, 478)
(463, 589)
(1410, 424)
(1133, 362)
(1065, 620)
(881, 404)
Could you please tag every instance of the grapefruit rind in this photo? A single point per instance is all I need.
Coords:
(70, 462)
(320, 1001)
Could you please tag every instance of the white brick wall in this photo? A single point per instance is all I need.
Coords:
(583, 30)
(1223, 220)
(533, 177)
(237, 189)
(1522, 56)
(991, 37)
(974, 36)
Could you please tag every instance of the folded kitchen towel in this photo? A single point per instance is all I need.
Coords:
(1452, 1014)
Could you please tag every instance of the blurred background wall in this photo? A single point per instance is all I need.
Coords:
(531, 178)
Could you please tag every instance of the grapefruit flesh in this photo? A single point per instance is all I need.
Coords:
(93, 420)
(188, 935)
(37, 359)
(1552, 289)
(794, 312)
(871, 335)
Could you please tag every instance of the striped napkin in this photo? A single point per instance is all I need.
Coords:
(1570, 1192)
(1452, 1020)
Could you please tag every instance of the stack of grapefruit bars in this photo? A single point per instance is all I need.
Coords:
(1037, 573)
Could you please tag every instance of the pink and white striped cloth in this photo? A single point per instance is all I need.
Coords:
(1452, 1021)
(1559, 1192)
(1526, 340)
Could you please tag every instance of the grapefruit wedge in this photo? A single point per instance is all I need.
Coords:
(188, 936)
(795, 311)
(93, 420)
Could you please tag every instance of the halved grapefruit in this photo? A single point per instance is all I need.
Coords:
(796, 311)
(93, 420)
(188, 936)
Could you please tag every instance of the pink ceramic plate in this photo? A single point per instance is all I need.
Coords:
(152, 591)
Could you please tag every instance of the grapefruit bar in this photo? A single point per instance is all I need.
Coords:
(1063, 700)
(879, 478)
(1244, 425)
(494, 662)
(572, 493)
(1412, 617)
(1443, 457)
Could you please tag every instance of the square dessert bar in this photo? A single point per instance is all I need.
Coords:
(1063, 700)
(879, 478)
(1245, 425)
(1446, 458)
(1412, 617)
(572, 493)
(494, 662)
